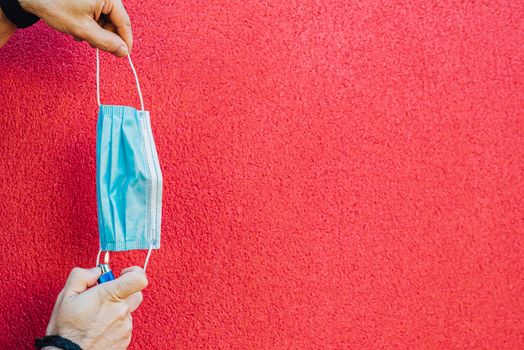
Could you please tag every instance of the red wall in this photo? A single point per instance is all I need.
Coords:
(336, 175)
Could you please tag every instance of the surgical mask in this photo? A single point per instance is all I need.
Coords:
(128, 177)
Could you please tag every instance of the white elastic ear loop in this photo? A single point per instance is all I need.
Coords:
(97, 78)
(147, 257)
(98, 257)
(134, 73)
(145, 264)
(137, 82)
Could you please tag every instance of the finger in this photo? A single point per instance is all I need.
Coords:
(106, 24)
(109, 27)
(102, 20)
(134, 301)
(127, 284)
(102, 39)
(80, 279)
(117, 15)
(59, 299)
(131, 269)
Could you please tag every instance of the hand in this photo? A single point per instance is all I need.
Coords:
(98, 318)
(103, 24)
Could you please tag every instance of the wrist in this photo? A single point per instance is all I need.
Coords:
(53, 342)
(15, 14)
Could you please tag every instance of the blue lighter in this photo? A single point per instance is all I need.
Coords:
(107, 274)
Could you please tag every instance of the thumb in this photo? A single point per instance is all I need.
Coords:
(131, 281)
(103, 39)
(81, 279)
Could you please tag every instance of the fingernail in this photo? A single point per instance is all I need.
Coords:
(122, 51)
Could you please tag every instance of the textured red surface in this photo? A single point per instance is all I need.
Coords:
(336, 175)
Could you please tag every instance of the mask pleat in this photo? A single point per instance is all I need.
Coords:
(129, 181)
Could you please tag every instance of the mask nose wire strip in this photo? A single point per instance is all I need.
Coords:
(147, 257)
(134, 73)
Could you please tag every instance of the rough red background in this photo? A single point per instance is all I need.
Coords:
(336, 175)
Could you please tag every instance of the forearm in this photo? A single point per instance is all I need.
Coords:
(6, 28)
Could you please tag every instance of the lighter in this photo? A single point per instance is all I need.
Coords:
(107, 274)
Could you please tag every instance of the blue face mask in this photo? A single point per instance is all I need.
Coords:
(128, 177)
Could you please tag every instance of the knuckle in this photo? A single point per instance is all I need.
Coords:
(76, 272)
(122, 311)
(142, 281)
(108, 45)
(102, 293)
(60, 296)
(140, 297)
(128, 325)
(109, 293)
(121, 290)
(81, 30)
(137, 279)
(126, 340)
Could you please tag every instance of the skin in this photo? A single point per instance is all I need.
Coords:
(97, 317)
(104, 24)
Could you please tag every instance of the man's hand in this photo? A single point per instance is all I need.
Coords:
(98, 318)
(103, 24)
